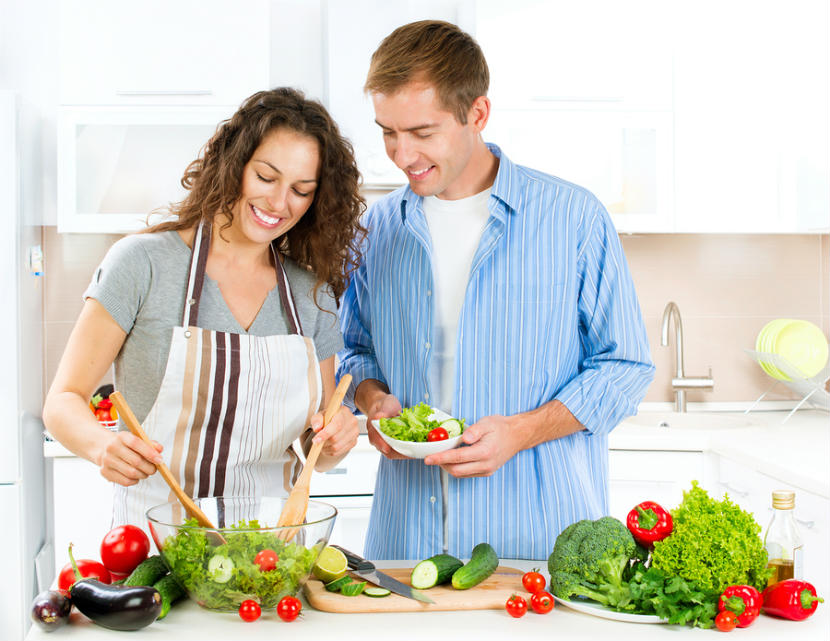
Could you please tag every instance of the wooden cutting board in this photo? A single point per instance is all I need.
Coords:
(487, 595)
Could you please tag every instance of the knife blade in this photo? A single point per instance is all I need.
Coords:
(367, 570)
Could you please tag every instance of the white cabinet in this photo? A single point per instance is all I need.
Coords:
(160, 52)
(118, 164)
(752, 490)
(83, 509)
(657, 475)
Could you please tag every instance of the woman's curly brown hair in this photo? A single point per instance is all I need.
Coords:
(326, 238)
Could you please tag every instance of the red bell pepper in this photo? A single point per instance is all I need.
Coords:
(791, 599)
(744, 600)
(648, 523)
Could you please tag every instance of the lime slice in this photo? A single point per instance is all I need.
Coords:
(331, 565)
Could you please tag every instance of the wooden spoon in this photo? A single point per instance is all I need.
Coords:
(190, 506)
(296, 505)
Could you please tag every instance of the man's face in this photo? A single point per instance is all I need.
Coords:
(427, 142)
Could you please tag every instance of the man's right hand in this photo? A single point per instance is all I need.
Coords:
(374, 400)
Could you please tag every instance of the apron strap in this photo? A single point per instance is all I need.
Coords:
(196, 280)
(285, 295)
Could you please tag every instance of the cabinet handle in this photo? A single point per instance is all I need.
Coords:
(734, 490)
(336, 470)
(164, 92)
(576, 99)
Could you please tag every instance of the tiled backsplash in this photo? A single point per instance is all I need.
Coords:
(726, 286)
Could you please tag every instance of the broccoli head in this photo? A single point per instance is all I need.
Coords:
(590, 559)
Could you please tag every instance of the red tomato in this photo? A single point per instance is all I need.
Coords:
(249, 610)
(726, 621)
(438, 434)
(289, 608)
(266, 560)
(103, 415)
(516, 606)
(123, 548)
(88, 567)
(541, 602)
(533, 581)
(104, 404)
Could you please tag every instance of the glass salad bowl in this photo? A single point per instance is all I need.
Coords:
(245, 557)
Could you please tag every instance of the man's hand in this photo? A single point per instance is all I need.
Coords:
(492, 442)
(384, 406)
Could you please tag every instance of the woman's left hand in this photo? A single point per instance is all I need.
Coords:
(339, 436)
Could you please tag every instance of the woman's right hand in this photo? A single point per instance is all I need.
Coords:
(126, 459)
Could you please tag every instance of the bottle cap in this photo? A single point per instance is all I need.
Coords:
(783, 500)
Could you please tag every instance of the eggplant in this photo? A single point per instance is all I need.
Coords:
(50, 610)
(117, 607)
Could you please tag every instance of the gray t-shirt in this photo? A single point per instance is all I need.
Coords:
(142, 281)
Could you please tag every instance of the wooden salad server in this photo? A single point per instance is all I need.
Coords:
(190, 506)
(296, 505)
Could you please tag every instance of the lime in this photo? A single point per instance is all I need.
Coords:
(331, 565)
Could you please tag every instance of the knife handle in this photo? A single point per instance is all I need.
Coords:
(356, 562)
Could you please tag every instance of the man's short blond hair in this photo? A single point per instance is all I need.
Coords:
(435, 52)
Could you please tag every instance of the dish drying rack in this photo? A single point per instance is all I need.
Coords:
(811, 389)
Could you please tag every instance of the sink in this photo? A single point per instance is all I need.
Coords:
(691, 420)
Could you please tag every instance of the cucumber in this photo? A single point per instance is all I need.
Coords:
(434, 571)
(353, 589)
(148, 571)
(483, 562)
(376, 591)
(453, 426)
(170, 592)
(334, 586)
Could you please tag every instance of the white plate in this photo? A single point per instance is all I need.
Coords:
(420, 450)
(597, 610)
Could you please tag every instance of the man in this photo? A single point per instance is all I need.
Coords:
(496, 293)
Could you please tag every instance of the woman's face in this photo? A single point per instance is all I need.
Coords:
(278, 185)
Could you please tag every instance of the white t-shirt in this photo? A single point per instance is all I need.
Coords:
(456, 227)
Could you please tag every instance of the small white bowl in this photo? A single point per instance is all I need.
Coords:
(413, 449)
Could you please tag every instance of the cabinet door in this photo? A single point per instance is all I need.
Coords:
(83, 509)
(751, 125)
(636, 476)
(352, 521)
(161, 52)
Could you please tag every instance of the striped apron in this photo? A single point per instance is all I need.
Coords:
(229, 407)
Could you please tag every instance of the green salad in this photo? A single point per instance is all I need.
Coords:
(415, 424)
(221, 577)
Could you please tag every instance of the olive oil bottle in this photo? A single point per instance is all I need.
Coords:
(782, 539)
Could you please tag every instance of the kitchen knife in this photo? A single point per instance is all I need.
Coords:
(367, 570)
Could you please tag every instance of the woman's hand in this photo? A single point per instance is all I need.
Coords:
(339, 436)
(126, 459)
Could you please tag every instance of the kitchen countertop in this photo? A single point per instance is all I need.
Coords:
(188, 622)
(795, 452)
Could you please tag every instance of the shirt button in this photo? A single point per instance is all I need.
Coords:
(432, 499)
(429, 292)
(426, 345)
(426, 396)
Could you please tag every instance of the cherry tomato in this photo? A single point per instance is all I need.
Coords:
(103, 415)
(266, 560)
(437, 434)
(123, 548)
(516, 606)
(726, 621)
(534, 581)
(289, 608)
(88, 567)
(104, 404)
(541, 602)
(249, 610)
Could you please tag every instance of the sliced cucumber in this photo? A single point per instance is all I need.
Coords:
(453, 426)
(376, 592)
(353, 589)
(434, 571)
(483, 562)
(334, 586)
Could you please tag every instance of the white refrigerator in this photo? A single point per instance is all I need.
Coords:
(25, 553)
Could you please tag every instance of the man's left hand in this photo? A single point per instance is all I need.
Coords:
(492, 441)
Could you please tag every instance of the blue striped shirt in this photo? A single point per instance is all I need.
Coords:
(550, 312)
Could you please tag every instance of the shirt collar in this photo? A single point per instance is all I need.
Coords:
(505, 178)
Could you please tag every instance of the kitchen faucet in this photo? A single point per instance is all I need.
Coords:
(680, 383)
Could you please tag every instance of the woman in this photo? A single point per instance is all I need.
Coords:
(222, 323)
